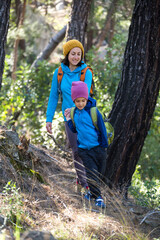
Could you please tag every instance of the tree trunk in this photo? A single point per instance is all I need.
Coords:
(90, 28)
(18, 10)
(54, 41)
(16, 44)
(4, 23)
(136, 95)
(106, 31)
(78, 22)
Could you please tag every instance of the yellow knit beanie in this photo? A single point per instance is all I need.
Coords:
(72, 44)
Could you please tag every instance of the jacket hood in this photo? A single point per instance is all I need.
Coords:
(66, 69)
(90, 103)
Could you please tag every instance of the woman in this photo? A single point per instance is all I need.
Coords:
(72, 65)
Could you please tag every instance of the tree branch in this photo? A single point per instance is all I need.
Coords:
(54, 41)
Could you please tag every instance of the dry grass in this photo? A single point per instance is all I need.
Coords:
(55, 206)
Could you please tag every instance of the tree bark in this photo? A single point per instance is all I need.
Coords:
(78, 22)
(4, 23)
(54, 41)
(136, 95)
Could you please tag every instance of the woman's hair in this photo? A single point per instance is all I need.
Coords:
(65, 61)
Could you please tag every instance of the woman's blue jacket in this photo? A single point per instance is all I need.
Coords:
(88, 136)
(68, 78)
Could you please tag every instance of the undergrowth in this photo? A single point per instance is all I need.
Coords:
(147, 192)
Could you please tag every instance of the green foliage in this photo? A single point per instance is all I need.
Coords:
(12, 204)
(107, 72)
(147, 192)
(24, 101)
(150, 156)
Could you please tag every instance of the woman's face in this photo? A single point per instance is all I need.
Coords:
(74, 56)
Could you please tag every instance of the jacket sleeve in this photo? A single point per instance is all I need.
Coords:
(70, 125)
(102, 129)
(88, 80)
(53, 98)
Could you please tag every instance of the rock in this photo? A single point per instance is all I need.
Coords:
(2, 221)
(138, 210)
(37, 235)
(152, 218)
(13, 136)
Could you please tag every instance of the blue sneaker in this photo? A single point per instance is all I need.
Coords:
(88, 196)
(99, 202)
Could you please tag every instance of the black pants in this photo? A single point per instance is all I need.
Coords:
(94, 161)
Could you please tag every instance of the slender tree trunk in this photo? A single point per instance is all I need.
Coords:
(111, 31)
(4, 23)
(18, 11)
(90, 28)
(16, 44)
(78, 22)
(108, 23)
(137, 93)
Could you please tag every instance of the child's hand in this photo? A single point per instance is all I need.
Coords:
(67, 114)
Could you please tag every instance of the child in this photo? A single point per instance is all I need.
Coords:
(92, 143)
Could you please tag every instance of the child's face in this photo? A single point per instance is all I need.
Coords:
(80, 102)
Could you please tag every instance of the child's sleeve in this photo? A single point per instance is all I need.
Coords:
(70, 125)
(102, 129)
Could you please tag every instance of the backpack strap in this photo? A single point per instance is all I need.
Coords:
(72, 115)
(59, 78)
(93, 112)
(82, 78)
(60, 74)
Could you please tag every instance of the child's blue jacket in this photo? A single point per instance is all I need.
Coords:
(66, 84)
(88, 136)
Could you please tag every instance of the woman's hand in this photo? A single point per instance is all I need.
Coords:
(49, 127)
(67, 114)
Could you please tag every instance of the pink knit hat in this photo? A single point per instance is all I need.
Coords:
(79, 89)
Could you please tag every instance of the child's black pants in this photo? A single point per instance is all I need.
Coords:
(94, 161)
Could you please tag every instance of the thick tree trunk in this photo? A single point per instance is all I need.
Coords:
(54, 41)
(137, 93)
(78, 22)
(4, 23)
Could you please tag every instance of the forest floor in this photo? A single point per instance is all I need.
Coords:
(51, 202)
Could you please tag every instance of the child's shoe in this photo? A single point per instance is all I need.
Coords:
(99, 202)
(88, 196)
